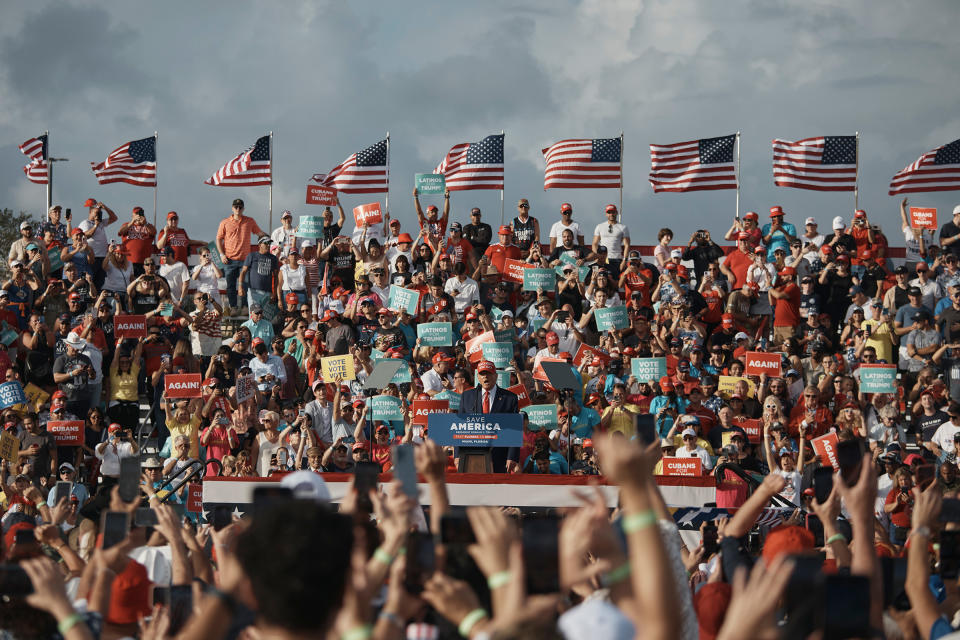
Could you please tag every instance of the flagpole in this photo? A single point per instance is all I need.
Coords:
(156, 173)
(387, 197)
(738, 176)
(856, 179)
(621, 173)
(49, 176)
(272, 167)
(504, 175)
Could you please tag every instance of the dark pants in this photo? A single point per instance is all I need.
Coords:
(613, 266)
(231, 271)
(126, 414)
(79, 407)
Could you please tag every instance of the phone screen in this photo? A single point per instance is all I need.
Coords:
(849, 457)
(14, 581)
(365, 478)
(646, 429)
(220, 517)
(129, 478)
(405, 469)
(115, 527)
(823, 483)
(815, 527)
(455, 528)
(541, 554)
(847, 607)
(950, 512)
(145, 517)
(711, 539)
(264, 496)
(421, 561)
(949, 554)
(62, 491)
(894, 572)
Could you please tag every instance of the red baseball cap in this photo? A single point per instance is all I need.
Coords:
(666, 383)
(172, 214)
(751, 215)
(610, 208)
(404, 237)
(76, 231)
(552, 337)
(786, 539)
(859, 213)
(90, 202)
(210, 382)
(257, 341)
(329, 314)
(776, 211)
(383, 311)
(866, 253)
(486, 366)
(593, 398)
(566, 206)
(432, 207)
(505, 229)
(441, 357)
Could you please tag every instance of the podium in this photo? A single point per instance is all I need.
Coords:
(475, 460)
(475, 436)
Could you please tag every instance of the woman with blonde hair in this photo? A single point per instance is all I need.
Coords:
(851, 417)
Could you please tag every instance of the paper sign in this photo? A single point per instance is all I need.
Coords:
(435, 334)
(450, 396)
(127, 326)
(195, 497)
(611, 318)
(878, 378)
(503, 379)
(759, 363)
(270, 311)
(499, 353)
(588, 353)
(67, 433)
(513, 270)
(386, 408)
(542, 415)
(429, 184)
(474, 352)
(8, 336)
(826, 448)
(310, 227)
(368, 214)
(402, 375)
(11, 393)
(923, 218)
(753, 428)
(215, 256)
(182, 385)
(9, 447)
(35, 395)
(401, 299)
(523, 399)
(423, 408)
(646, 369)
(56, 260)
(726, 385)
(476, 430)
(246, 388)
(535, 279)
(334, 367)
(504, 335)
(166, 309)
(324, 196)
(682, 467)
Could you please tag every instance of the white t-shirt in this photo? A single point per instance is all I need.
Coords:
(791, 489)
(943, 437)
(294, 279)
(176, 275)
(556, 231)
(432, 381)
(393, 253)
(817, 240)
(611, 236)
(110, 455)
(699, 452)
(116, 279)
(912, 245)
(98, 241)
(467, 292)
(207, 281)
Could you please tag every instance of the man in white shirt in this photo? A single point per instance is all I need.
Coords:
(109, 453)
(463, 289)
(943, 440)
(691, 449)
(438, 377)
(176, 274)
(565, 222)
(812, 240)
(284, 237)
(931, 289)
(267, 368)
(100, 217)
(615, 237)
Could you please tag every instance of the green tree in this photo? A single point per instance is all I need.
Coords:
(9, 232)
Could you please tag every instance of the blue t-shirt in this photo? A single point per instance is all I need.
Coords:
(584, 422)
(260, 270)
(906, 313)
(778, 239)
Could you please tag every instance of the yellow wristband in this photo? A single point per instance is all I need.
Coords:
(470, 621)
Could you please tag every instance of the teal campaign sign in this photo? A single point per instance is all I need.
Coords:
(8, 335)
(435, 334)
(386, 408)
(581, 271)
(503, 379)
(376, 354)
(611, 318)
(499, 353)
(644, 369)
(536, 323)
(452, 397)
(429, 184)
(542, 415)
(401, 299)
(310, 227)
(166, 309)
(878, 378)
(496, 313)
(215, 257)
(401, 376)
(505, 335)
(56, 262)
(536, 279)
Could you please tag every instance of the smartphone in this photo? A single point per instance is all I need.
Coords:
(365, 478)
(62, 491)
(220, 517)
(455, 528)
(145, 517)
(846, 612)
(803, 596)
(541, 554)
(926, 474)
(129, 478)
(405, 469)
(646, 429)
(815, 527)
(849, 457)
(894, 574)
(24, 536)
(950, 511)
(823, 484)
(264, 496)
(68, 214)
(114, 527)
(161, 596)
(421, 561)
(711, 539)
(14, 581)
(949, 555)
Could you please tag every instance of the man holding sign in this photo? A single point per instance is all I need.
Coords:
(488, 397)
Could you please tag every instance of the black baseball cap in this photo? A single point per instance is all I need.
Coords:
(901, 269)
(238, 203)
(914, 291)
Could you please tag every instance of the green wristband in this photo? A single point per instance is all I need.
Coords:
(69, 623)
(499, 579)
(380, 555)
(469, 622)
(616, 576)
(358, 633)
(837, 537)
(638, 521)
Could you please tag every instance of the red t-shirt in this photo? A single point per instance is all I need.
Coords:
(901, 514)
(739, 263)
(787, 311)
(458, 250)
(714, 300)
(178, 241)
(498, 253)
(138, 242)
(860, 238)
(96, 336)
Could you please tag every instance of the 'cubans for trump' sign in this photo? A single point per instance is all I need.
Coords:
(476, 430)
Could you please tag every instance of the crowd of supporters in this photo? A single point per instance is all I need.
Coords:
(267, 306)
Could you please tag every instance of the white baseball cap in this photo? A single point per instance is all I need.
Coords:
(838, 223)
(741, 336)
(676, 253)
(688, 432)
(307, 485)
(810, 221)
(956, 209)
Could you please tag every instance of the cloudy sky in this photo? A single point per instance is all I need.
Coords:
(329, 78)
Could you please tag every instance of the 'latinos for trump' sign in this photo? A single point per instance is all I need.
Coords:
(429, 184)
(611, 318)
(476, 430)
(435, 334)
(310, 227)
(878, 378)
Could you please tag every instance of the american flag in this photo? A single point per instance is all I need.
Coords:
(583, 164)
(474, 165)
(249, 169)
(134, 163)
(36, 149)
(696, 165)
(363, 172)
(937, 170)
(827, 163)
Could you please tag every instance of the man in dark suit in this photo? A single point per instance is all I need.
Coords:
(488, 397)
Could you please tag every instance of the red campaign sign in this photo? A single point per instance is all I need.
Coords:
(195, 497)
(368, 214)
(682, 467)
(182, 385)
(759, 362)
(753, 428)
(923, 218)
(423, 408)
(539, 373)
(585, 351)
(513, 270)
(67, 433)
(130, 326)
(523, 400)
(826, 448)
(324, 196)
(474, 348)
